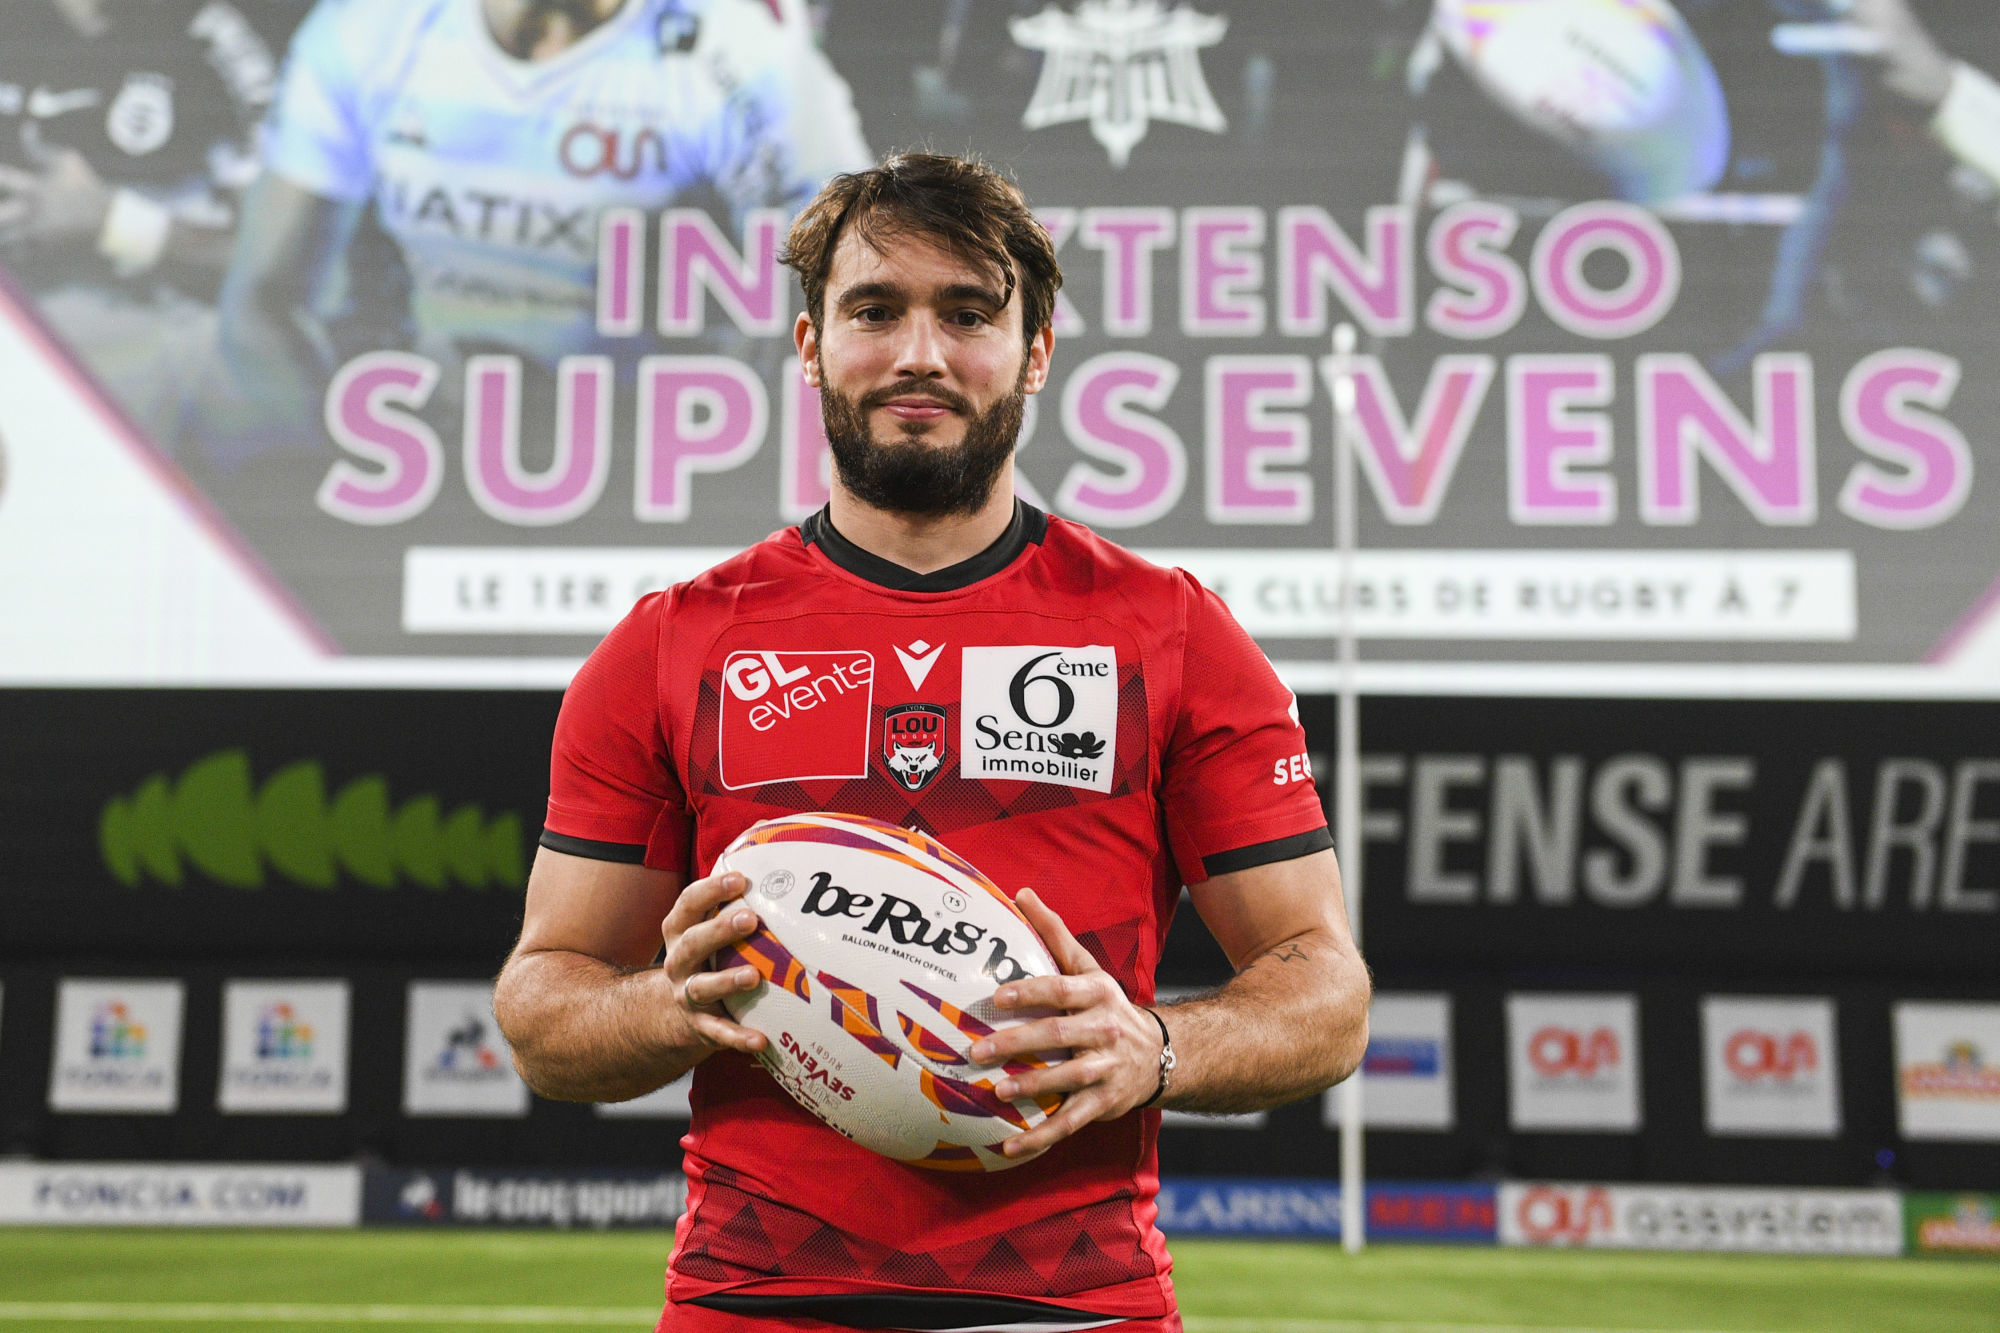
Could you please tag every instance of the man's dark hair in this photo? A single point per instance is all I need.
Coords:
(966, 207)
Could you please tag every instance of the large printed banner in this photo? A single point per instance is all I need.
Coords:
(1759, 838)
(371, 341)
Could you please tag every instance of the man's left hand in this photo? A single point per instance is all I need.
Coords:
(1114, 1046)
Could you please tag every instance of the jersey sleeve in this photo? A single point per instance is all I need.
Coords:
(613, 792)
(317, 137)
(1236, 786)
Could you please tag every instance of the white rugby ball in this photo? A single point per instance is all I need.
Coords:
(880, 951)
(1622, 84)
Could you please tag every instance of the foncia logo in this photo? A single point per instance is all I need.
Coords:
(1040, 714)
(115, 1034)
(281, 1035)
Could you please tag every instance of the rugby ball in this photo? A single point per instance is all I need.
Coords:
(880, 951)
(1624, 85)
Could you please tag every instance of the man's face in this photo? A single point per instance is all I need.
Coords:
(922, 372)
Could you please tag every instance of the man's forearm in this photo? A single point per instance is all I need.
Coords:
(1293, 1022)
(583, 1030)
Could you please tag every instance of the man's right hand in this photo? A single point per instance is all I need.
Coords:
(709, 916)
(592, 1008)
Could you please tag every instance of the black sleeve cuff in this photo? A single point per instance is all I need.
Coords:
(625, 853)
(1262, 853)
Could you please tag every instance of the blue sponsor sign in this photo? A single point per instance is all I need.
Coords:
(1448, 1214)
(1403, 1057)
(1310, 1209)
(1226, 1206)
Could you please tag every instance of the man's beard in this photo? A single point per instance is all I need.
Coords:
(910, 476)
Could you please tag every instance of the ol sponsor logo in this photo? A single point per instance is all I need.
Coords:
(791, 717)
(1554, 1215)
(1040, 714)
(913, 744)
(1558, 1052)
(1756, 1057)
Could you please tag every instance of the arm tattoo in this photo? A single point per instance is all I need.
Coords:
(1290, 953)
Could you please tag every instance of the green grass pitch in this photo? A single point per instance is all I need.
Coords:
(83, 1281)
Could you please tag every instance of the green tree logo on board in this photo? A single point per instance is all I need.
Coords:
(214, 820)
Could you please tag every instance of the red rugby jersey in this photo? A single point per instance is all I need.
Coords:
(1059, 712)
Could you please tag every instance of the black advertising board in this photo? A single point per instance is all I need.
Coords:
(1837, 837)
(304, 825)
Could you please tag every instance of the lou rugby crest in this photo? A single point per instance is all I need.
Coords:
(913, 744)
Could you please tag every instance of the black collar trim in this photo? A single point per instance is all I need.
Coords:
(1029, 527)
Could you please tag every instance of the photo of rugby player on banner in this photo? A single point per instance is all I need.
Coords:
(1684, 308)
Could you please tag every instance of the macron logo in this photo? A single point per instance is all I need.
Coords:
(917, 660)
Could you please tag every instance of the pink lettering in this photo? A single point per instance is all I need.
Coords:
(805, 463)
(363, 417)
(1128, 236)
(1100, 408)
(1222, 272)
(1060, 224)
(1486, 292)
(1246, 438)
(1410, 467)
(1377, 286)
(621, 271)
(1652, 270)
(696, 414)
(1684, 414)
(1881, 407)
(575, 477)
(695, 258)
(1548, 437)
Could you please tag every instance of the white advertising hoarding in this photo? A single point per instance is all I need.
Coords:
(1672, 1217)
(455, 1062)
(284, 1048)
(159, 1194)
(1948, 1070)
(117, 1047)
(1770, 1066)
(1573, 1062)
(1406, 1073)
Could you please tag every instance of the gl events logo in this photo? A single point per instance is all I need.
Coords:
(1557, 1052)
(794, 717)
(115, 1035)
